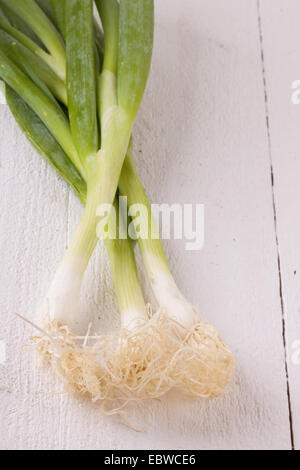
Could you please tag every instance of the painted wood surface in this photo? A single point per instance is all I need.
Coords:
(280, 38)
(215, 121)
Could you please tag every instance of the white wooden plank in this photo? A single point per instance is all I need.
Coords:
(33, 220)
(200, 138)
(281, 39)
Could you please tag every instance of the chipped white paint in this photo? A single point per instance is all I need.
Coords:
(201, 137)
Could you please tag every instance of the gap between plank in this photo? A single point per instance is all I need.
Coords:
(275, 223)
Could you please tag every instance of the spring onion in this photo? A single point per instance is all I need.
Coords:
(91, 148)
(37, 20)
(125, 359)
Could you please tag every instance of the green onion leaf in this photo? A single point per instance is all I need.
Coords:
(20, 36)
(44, 142)
(45, 107)
(135, 52)
(33, 65)
(58, 7)
(120, 251)
(33, 15)
(109, 14)
(46, 6)
(19, 24)
(81, 76)
(99, 38)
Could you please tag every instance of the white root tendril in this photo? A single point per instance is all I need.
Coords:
(204, 364)
(140, 363)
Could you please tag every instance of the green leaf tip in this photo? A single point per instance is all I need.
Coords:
(136, 30)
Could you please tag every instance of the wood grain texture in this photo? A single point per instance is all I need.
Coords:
(200, 138)
(33, 237)
(281, 38)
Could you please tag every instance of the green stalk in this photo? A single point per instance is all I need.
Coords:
(34, 16)
(124, 272)
(136, 27)
(58, 7)
(94, 175)
(81, 77)
(99, 38)
(47, 8)
(103, 168)
(166, 292)
(19, 24)
(103, 173)
(7, 48)
(33, 65)
(107, 93)
(48, 111)
(109, 14)
(58, 15)
(130, 58)
(151, 246)
(24, 39)
(81, 88)
(131, 54)
(28, 43)
(129, 94)
(42, 139)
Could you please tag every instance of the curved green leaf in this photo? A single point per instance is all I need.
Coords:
(20, 36)
(34, 16)
(44, 142)
(19, 24)
(46, 6)
(46, 108)
(109, 14)
(58, 7)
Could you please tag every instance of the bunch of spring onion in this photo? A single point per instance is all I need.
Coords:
(75, 90)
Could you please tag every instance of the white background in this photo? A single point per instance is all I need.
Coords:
(217, 127)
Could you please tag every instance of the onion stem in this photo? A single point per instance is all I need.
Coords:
(89, 143)
(34, 16)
